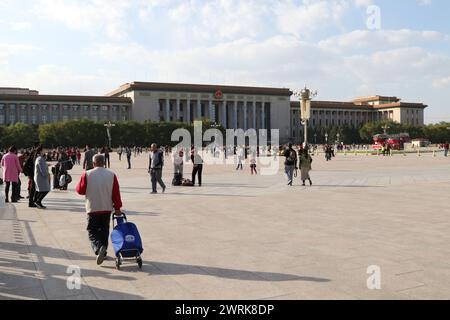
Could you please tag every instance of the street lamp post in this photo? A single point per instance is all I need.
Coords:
(315, 138)
(305, 96)
(109, 126)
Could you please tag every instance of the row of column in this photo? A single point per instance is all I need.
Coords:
(57, 114)
(230, 115)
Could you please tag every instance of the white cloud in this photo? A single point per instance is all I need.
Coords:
(107, 16)
(381, 39)
(302, 20)
(442, 83)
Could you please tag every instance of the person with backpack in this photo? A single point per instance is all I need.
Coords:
(290, 163)
(305, 161)
(28, 171)
(155, 167)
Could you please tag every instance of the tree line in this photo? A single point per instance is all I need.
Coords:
(79, 133)
(131, 133)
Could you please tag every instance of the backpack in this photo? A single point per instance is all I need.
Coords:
(69, 165)
(187, 183)
(292, 157)
(177, 180)
(28, 167)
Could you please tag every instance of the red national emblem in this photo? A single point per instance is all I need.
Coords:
(218, 95)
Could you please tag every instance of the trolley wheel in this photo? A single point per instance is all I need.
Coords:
(139, 262)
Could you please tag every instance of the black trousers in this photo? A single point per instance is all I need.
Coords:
(198, 170)
(31, 191)
(129, 162)
(107, 162)
(98, 230)
(40, 196)
(14, 190)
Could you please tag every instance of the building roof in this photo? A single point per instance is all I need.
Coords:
(376, 98)
(63, 98)
(199, 88)
(355, 106)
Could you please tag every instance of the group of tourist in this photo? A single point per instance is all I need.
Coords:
(295, 160)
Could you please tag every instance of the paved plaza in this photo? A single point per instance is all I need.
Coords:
(248, 237)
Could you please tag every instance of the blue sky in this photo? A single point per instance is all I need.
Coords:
(93, 46)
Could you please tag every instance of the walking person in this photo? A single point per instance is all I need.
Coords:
(88, 163)
(129, 154)
(289, 163)
(253, 165)
(241, 156)
(155, 167)
(197, 170)
(11, 172)
(41, 178)
(119, 152)
(102, 191)
(305, 161)
(28, 170)
(106, 152)
(446, 148)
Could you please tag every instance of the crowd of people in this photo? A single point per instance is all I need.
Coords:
(100, 186)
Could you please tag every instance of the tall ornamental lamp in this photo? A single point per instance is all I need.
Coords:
(305, 96)
(109, 126)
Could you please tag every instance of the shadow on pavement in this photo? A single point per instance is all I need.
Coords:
(164, 268)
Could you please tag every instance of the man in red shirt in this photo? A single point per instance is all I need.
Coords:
(102, 191)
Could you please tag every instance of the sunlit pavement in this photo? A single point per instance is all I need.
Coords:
(247, 237)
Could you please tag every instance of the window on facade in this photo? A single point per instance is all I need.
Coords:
(2, 119)
(44, 119)
(55, 118)
(23, 118)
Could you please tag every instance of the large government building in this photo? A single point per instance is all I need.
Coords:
(231, 106)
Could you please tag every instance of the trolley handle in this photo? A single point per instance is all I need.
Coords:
(116, 218)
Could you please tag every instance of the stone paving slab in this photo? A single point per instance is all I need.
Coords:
(248, 237)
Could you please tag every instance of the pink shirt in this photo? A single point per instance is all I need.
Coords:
(11, 167)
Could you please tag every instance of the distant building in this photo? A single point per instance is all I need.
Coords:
(28, 106)
(231, 106)
(327, 114)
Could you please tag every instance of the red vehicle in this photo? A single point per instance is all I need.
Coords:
(395, 141)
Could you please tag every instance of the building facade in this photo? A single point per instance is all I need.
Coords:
(230, 106)
(233, 107)
(27, 106)
(327, 114)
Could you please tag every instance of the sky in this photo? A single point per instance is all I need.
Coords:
(341, 48)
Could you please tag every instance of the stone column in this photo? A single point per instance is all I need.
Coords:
(167, 110)
(177, 115)
(254, 114)
(199, 109)
(212, 111)
(224, 115)
(245, 116)
(235, 115)
(188, 111)
(263, 116)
